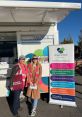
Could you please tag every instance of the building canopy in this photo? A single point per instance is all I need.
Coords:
(36, 12)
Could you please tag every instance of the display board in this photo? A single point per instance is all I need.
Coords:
(62, 79)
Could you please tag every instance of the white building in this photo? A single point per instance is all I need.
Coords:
(26, 28)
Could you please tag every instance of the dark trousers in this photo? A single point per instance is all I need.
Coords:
(16, 102)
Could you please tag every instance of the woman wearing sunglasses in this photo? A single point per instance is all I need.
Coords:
(35, 74)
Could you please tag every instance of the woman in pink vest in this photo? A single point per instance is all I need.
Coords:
(18, 76)
(35, 74)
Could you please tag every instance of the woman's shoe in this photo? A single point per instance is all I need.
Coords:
(33, 113)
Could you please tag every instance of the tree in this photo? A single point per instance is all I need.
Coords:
(67, 41)
(80, 42)
(64, 41)
(70, 40)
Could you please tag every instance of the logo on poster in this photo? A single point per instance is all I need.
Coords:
(60, 50)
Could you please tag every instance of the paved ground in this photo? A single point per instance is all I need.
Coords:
(47, 110)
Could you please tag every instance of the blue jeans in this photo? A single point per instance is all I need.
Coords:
(16, 102)
(34, 103)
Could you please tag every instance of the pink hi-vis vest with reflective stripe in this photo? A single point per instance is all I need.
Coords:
(19, 77)
(23, 70)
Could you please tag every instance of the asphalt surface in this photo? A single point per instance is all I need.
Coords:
(48, 110)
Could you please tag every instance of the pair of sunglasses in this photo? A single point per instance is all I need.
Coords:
(35, 58)
(22, 59)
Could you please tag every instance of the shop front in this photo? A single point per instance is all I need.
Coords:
(28, 28)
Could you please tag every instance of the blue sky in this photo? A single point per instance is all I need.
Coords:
(72, 24)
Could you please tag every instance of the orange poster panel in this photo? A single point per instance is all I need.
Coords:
(63, 91)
